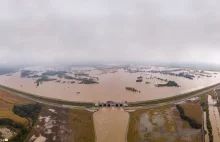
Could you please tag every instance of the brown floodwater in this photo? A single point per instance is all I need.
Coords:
(205, 127)
(111, 86)
(111, 124)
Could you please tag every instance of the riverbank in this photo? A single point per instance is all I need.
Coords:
(46, 99)
(174, 98)
(130, 104)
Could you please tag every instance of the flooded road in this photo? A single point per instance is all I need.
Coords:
(111, 124)
(111, 86)
(214, 118)
(205, 127)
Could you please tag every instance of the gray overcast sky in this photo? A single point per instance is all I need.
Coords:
(37, 31)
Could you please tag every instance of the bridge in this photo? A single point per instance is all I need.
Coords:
(111, 104)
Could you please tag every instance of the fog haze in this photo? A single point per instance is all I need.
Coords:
(73, 31)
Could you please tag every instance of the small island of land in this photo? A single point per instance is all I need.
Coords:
(46, 76)
(139, 79)
(147, 82)
(88, 81)
(182, 74)
(132, 89)
(43, 79)
(168, 84)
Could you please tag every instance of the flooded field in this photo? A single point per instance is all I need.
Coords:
(62, 125)
(111, 125)
(111, 83)
(163, 124)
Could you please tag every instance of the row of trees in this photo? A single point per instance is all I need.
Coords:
(192, 122)
(205, 106)
(132, 89)
(208, 123)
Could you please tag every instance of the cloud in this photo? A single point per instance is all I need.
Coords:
(51, 31)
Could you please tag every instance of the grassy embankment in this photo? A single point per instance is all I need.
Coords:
(168, 99)
(46, 99)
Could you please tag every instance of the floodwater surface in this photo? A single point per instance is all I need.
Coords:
(111, 86)
(111, 124)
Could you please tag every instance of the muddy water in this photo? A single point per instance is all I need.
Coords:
(111, 125)
(205, 128)
(145, 125)
(111, 86)
(215, 119)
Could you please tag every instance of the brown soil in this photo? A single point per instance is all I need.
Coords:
(63, 125)
(193, 110)
(3, 104)
(172, 128)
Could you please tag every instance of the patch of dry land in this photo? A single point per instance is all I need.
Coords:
(164, 124)
(12, 124)
(52, 124)
(7, 101)
(63, 125)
